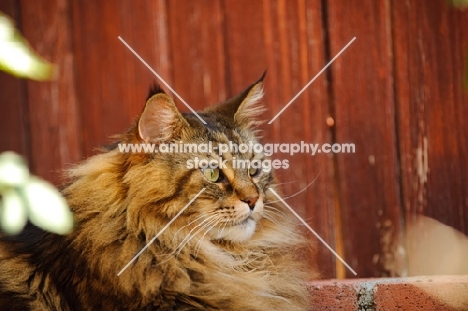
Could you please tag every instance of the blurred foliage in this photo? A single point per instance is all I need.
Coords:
(459, 3)
(24, 197)
(462, 4)
(17, 58)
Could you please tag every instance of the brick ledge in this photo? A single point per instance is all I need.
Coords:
(447, 293)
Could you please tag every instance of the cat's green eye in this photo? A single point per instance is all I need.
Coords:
(212, 174)
(253, 171)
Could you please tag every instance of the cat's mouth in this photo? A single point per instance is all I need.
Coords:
(240, 225)
(246, 220)
(243, 222)
(236, 231)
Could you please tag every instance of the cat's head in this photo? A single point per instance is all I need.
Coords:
(233, 200)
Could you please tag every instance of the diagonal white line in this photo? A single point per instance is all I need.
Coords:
(312, 230)
(162, 230)
(162, 80)
(313, 79)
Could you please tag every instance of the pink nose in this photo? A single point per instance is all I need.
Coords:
(250, 201)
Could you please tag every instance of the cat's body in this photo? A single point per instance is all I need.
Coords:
(233, 248)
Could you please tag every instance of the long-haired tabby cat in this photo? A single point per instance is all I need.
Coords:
(233, 248)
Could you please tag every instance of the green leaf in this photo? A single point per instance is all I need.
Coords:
(460, 3)
(17, 58)
(13, 169)
(13, 214)
(47, 208)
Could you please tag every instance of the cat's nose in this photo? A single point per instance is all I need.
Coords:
(250, 201)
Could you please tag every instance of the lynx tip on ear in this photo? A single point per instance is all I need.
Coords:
(262, 77)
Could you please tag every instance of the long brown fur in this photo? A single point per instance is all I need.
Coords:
(122, 200)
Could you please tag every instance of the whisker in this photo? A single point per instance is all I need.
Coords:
(225, 224)
(197, 218)
(187, 239)
(300, 191)
(283, 183)
(208, 219)
(190, 232)
(180, 247)
(198, 246)
(276, 214)
(271, 218)
(268, 217)
(274, 208)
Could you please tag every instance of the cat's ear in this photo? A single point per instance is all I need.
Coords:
(250, 108)
(160, 121)
(244, 108)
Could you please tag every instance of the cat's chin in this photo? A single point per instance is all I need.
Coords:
(236, 233)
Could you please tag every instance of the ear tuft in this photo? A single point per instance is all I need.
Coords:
(244, 108)
(160, 120)
(154, 90)
(251, 108)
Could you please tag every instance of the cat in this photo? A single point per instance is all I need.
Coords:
(233, 248)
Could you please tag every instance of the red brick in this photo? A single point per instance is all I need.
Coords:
(334, 295)
(423, 293)
(445, 293)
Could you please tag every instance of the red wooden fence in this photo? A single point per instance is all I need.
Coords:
(396, 93)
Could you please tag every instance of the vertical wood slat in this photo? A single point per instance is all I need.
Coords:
(100, 90)
(198, 52)
(431, 46)
(275, 35)
(52, 106)
(14, 131)
(113, 83)
(364, 106)
(149, 36)
(313, 108)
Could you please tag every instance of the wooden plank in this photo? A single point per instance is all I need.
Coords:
(13, 125)
(286, 38)
(198, 51)
(245, 49)
(112, 83)
(364, 114)
(431, 48)
(52, 105)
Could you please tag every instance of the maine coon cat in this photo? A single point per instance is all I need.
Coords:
(233, 248)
